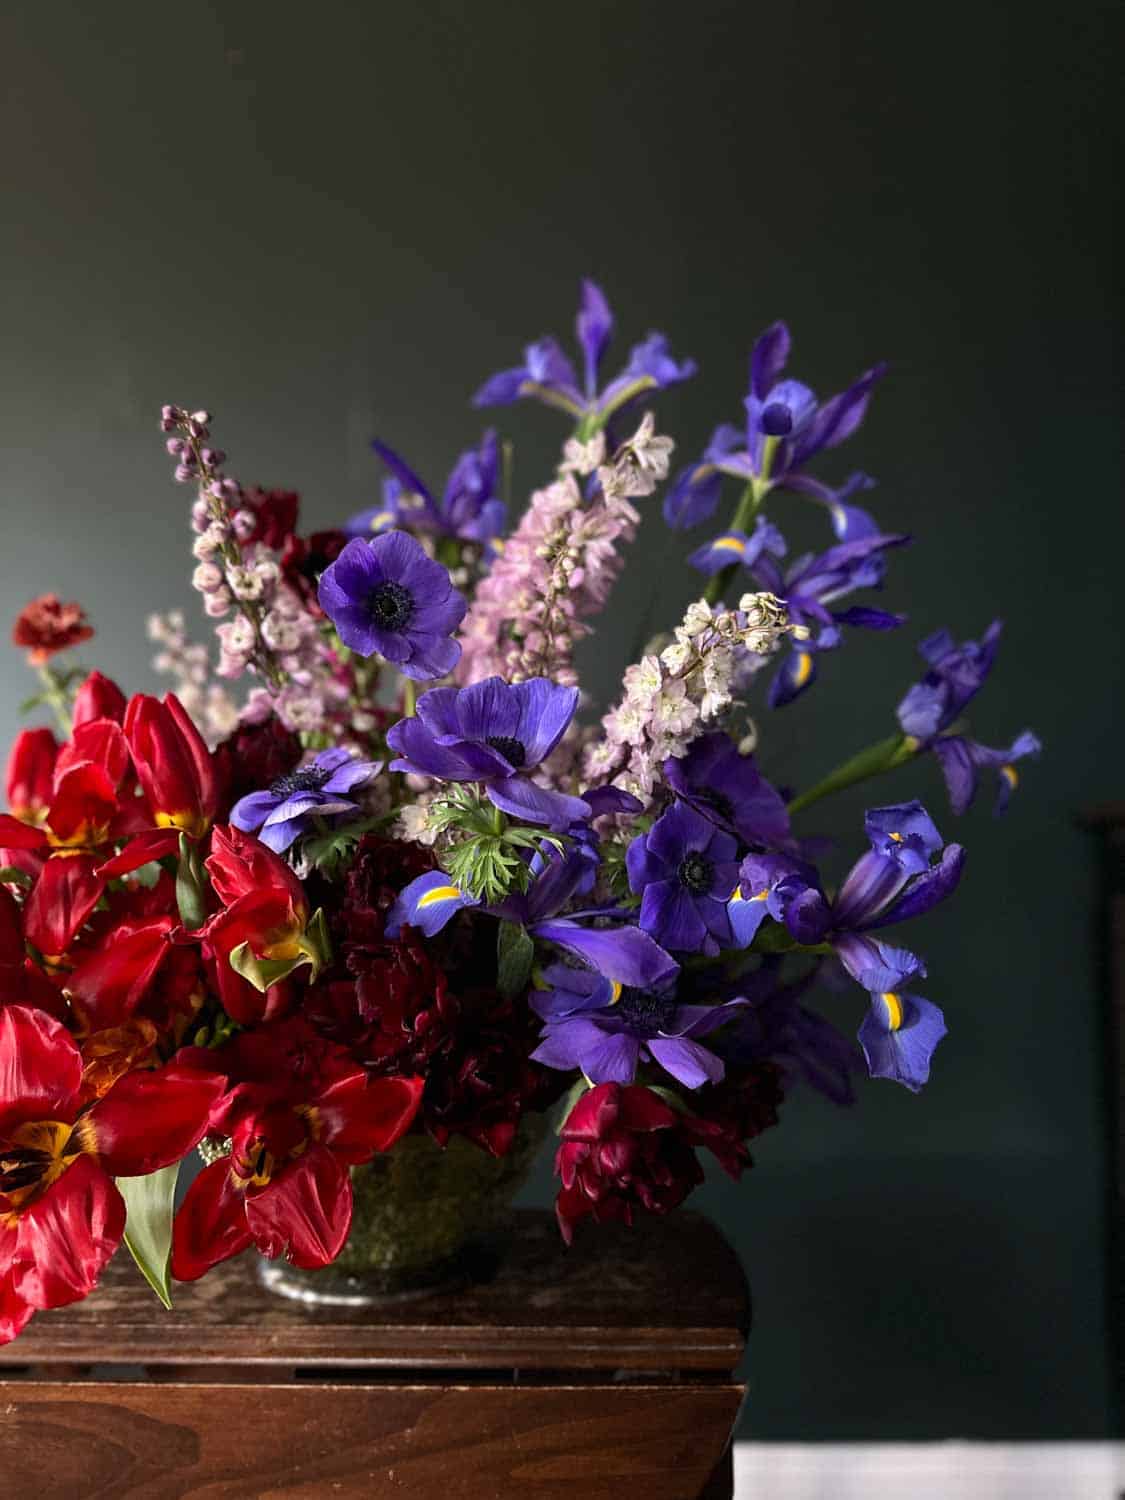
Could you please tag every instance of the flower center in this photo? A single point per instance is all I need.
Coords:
(646, 1010)
(390, 605)
(696, 874)
(306, 779)
(34, 1156)
(511, 749)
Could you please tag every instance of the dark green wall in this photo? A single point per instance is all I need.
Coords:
(325, 221)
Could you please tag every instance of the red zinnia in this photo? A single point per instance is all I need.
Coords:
(47, 625)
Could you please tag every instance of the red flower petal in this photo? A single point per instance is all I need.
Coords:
(83, 805)
(154, 843)
(62, 898)
(173, 764)
(305, 1212)
(112, 980)
(101, 742)
(241, 865)
(150, 1119)
(66, 1237)
(40, 1067)
(31, 769)
(98, 698)
(358, 1118)
(17, 835)
(211, 1223)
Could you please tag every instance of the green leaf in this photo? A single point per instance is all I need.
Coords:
(873, 761)
(33, 702)
(515, 951)
(262, 972)
(569, 1100)
(9, 875)
(189, 886)
(149, 1204)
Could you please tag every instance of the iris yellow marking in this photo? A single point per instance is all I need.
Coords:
(439, 893)
(894, 1009)
(896, 836)
(804, 668)
(615, 992)
(729, 544)
(1010, 775)
(380, 519)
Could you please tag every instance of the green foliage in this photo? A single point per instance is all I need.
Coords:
(515, 951)
(149, 1203)
(487, 857)
(332, 849)
(190, 886)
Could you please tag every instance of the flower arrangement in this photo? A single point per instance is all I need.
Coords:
(377, 868)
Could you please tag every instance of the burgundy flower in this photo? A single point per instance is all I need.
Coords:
(46, 626)
(304, 559)
(276, 514)
(482, 1083)
(728, 1114)
(622, 1148)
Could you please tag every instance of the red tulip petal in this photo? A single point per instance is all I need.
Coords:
(150, 1119)
(211, 1223)
(17, 835)
(98, 698)
(15, 1313)
(358, 1118)
(84, 802)
(112, 981)
(40, 1067)
(306, 1211)
(101, 742)
(66, 1237)
(153, 843)
(31, 768)
(11, 929)
(62, 898)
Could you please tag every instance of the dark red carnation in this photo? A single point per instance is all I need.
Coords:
(304, 559)
(622, 1148)
(47, 625)
(379, 871)
(728, 1114)
(275, 512)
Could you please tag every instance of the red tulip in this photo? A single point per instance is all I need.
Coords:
(98, 698)
(299, 1114)
(31, 770)
(61, 1216)
(173, 764)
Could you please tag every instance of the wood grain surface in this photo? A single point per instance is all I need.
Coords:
(107, 1441)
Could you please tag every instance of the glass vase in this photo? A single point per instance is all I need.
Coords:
(425, 1217)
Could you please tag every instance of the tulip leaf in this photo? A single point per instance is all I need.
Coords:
(515, 951)
(189, 886)
(149, 1203)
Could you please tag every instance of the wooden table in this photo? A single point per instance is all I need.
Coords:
(561, 1373)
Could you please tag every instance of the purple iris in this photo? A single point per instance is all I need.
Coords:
(777, 1027)
(954, 677)
(783, 413)
(607, 1029)
(296, 801)
(493, 732)
(548, 375)
(727, 787)
(737, 547)
(810, 587)
(894, 881)
(684, 868)
(387, 596)
(468, 509)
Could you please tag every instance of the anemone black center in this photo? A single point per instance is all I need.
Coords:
(306, 779)
(390, 605)
(514, 751)
(696, 873)
(717, 801)
(646, 1010)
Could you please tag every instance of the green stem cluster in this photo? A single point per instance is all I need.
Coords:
(749, 503)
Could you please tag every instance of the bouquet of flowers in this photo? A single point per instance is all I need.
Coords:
(407, 880)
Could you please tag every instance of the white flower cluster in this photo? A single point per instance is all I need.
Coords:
(672, 697)
(210, 706)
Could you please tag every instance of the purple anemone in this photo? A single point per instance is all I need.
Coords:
(295, 801)
(684, 869)
(388, 596)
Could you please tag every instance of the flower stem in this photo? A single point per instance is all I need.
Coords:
(57, 698)
(873, 761)
(747, 508)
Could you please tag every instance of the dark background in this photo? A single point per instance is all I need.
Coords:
(324, 222)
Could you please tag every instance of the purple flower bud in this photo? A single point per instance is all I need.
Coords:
(213, 457)
(200, 516)
(175, 446)
(183, 474)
